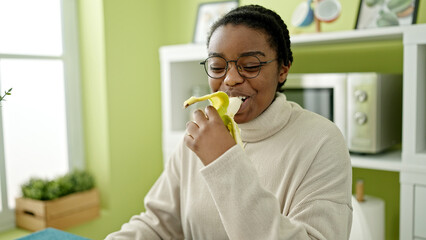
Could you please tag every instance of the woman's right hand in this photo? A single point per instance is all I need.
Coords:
(207, 136)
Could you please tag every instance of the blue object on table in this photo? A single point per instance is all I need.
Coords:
(52, 234)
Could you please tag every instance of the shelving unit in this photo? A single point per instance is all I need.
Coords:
(388, 161)
(180, 70)
(388, 33)
(413, 173)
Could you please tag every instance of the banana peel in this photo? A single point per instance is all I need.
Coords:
(226, 107)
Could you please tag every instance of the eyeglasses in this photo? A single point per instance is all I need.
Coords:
(247, 66)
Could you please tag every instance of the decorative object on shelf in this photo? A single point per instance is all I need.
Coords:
(384, 13)
(60, 203)
(323, 11)
(207, 14)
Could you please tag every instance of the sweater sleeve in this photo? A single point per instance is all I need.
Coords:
(161, 220)
(249, 211)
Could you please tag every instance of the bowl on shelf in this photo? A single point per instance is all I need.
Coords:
(328, 10)
(303, 15)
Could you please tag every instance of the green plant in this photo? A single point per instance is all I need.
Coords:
(42, 189)
(34, 189)
(5, 94)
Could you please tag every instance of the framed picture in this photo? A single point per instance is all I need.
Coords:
(208, 13)
(384, 13)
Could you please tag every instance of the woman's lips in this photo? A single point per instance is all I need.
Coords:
(244, 105)
(243, 97)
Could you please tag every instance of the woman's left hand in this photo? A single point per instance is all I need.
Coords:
(207, 136)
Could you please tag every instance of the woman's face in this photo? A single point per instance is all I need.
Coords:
(232, 41)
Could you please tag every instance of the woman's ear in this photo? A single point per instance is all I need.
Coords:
(284, 72)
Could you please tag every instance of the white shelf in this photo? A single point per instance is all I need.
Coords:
(362, 35)
(387, 161)
(351, 36)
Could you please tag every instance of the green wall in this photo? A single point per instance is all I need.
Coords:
(120, 70)
(122, 102)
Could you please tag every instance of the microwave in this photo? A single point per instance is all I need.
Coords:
(366, 107)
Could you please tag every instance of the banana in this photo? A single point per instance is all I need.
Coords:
(226, 107)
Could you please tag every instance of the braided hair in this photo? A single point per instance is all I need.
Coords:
(258, 17)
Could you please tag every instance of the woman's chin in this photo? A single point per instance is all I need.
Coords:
(241, 118)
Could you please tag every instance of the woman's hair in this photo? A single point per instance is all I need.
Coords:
(260, 18)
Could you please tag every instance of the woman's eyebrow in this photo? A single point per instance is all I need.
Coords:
(214, 54)
(251, 53)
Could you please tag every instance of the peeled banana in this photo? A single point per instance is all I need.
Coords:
(226, 107)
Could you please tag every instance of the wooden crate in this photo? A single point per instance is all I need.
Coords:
(60, 213)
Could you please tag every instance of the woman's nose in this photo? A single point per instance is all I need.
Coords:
(233, 77)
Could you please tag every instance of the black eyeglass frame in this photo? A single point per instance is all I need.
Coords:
(261, 63)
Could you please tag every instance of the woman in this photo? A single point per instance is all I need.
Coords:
(292, 179)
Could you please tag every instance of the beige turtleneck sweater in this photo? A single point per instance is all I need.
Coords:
(292, 180)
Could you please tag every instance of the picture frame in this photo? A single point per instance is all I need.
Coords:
(384, 13)
(207, 14)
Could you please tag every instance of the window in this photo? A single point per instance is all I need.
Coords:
(40, 123)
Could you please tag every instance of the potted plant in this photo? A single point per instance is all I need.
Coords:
(5, 94)
(59, 203)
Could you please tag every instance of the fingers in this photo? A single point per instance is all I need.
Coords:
(212, 113)
(191, 129)
(201, 120)
(199, 116)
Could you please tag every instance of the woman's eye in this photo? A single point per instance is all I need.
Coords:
(217, 69)
(251, 68)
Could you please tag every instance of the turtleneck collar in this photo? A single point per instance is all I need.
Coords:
(273, 119)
